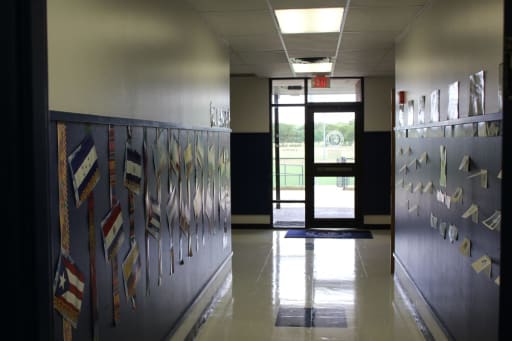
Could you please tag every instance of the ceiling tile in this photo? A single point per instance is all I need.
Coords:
(256, 42)
(308, 45)
(391, 19)
(367, 40)
(228, 5)
(270, 57)
(241, 23)
(362, 57)
(387, 3)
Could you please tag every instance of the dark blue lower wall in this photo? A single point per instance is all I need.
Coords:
(375, 196)
(251, 173)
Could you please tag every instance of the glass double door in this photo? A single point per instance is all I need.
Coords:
(316, 169)
(332, 134)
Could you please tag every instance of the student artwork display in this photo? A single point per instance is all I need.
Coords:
(434, 105)
(421, 110)
(453, 101)
(83, 163)
(132, 181)
(476, 94)
(174, 181)
(68, 289)
(442, 176)
(410, 112)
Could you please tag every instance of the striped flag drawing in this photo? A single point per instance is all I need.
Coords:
(68, 289)
(131, 271)
(154, 218)
(112, 231)
(83, 162)
(132, 170)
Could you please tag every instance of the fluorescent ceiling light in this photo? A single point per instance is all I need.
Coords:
(309, 20)
(312, 67)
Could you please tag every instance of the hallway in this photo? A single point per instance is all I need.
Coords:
(339, 289)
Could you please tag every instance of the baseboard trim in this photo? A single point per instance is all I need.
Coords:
(426, 318)
(192, 318)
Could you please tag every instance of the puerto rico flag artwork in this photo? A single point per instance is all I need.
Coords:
(68, 289)
(112, 231)
(132, 170)
(85, 173)
(131, 271)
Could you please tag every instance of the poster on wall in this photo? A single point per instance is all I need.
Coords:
(453, 101)
(476, 93)
(421, 110)
(434, 105)
(410, 112)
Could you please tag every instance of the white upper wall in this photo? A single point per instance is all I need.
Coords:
(153, 60)
(249, 105)
(378, 92)
(450, 41)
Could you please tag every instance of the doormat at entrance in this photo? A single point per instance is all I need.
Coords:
(341, 234)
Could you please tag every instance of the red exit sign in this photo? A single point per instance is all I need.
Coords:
(321, 82)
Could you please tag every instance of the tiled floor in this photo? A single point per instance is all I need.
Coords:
(309, 289)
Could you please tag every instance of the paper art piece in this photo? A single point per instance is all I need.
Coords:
(188, 158)
(403, 169)
(401, 115)
(418, 187)
(428, 187)
(464, 164)
(408, 151)
(414, 208)
(421, 110)
(442, 229)
(410, 112)
(413, 164)
(494, 221)
(434, 105)
(442, 176)
(131, 271)
(401, 151)
(400, 183)
(465, 247)
(453, 233)
(433, 220)
(448, 201)
(482, 173)
(132, 170)
(472, 212)
(457, 195)
(476, 93)
(111, 227)
(154, 220)
(483, 264)
(440, 196)
(497, 281)
(453, 101)
(423, 158)
(408, 187)
(68, 290)
(500, 175)
(83, 163)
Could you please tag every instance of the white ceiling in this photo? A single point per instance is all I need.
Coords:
(366, 44)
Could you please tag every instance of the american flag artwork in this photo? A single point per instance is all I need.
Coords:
(83, 162)
(133, 170)
(68, 289)
(112, 231)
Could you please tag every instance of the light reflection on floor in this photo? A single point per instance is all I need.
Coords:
(320, 275)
